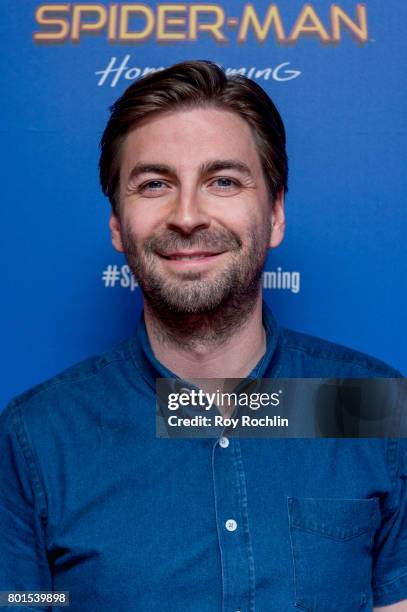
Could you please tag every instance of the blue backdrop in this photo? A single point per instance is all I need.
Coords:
(336, 73)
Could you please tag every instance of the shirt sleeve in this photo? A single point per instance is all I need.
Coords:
(23, 559)
(390, 568)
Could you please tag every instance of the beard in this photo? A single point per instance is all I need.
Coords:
(235, 284)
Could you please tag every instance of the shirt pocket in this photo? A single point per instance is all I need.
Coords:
(331, 542)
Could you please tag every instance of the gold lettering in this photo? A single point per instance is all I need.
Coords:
(250, 18)
(79, 26)
(164, 20)
(314, 25)
(140, 9)
(214, 28)
(359, 30)
(111, 32)
(43, 16)
(182, 21)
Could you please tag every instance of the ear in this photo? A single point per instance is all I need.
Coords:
(277, 221)
(114, 226)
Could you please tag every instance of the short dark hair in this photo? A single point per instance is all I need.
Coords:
(194, 84)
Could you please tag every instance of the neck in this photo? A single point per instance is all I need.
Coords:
(225, 343)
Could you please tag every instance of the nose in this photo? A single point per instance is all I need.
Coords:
(188, 213)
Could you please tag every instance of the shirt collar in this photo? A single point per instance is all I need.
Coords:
(151, 369)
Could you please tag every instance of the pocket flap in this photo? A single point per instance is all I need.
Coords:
(336, 518)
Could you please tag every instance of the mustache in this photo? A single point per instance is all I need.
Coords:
(211, 240)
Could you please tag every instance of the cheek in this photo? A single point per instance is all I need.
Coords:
(140, 221)
(235, 211)
(242, 219)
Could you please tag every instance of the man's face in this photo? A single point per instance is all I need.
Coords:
(195, 216)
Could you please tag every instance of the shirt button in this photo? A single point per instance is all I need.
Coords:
(231, 525)
(223, 442)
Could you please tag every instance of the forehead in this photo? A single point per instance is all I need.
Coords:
(189, 138)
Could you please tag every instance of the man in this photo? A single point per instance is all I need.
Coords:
(92, 502)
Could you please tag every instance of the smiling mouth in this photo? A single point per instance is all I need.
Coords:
(189, 256)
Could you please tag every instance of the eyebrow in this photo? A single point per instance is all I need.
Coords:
(216, 165)
(219, 165)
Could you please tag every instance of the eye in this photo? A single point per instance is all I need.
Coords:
(224, 184)
(153, 188)
(153, 185)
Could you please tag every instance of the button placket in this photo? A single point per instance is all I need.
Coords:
(231, 516)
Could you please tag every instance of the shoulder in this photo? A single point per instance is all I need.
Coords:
(322, 358)
(87, 376)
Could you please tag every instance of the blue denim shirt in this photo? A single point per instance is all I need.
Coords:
(91, 502)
